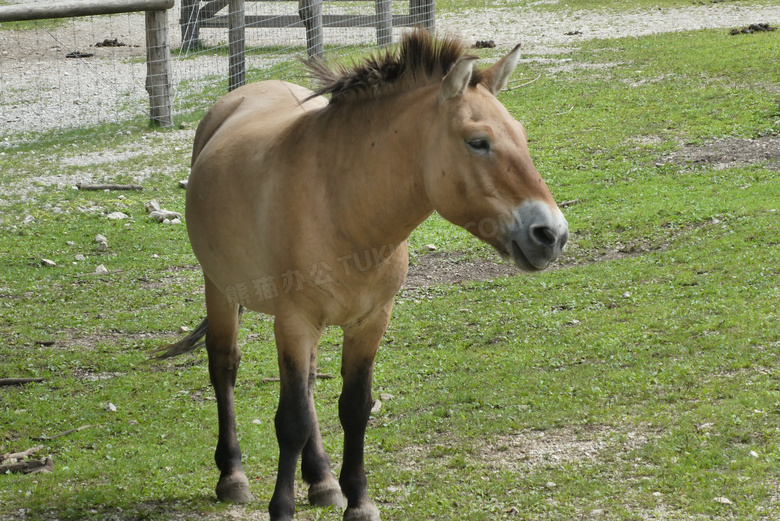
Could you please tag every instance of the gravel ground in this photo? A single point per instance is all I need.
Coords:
(40, 89)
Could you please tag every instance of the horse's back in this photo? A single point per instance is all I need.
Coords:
(254, 111)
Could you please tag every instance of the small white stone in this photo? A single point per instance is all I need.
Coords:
(48, 263)
(377, 406)
(722, 500)
(152, 206)
(551, 484)
(101, 269)
(100, 238)
(184, 329)
(183, 183)
(162, 215)
(117, 215)
(175, 221)
(753, 454)
(627, 294)
(110, 407)
(166, 221)
(102, 246)
(257, 422)
(386, 397)
(80, 257)
(429, 247)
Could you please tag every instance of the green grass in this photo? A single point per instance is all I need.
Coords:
(645, 385)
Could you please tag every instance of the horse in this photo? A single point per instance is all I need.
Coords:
(300, 207)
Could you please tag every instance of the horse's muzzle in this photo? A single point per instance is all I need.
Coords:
(536, 236)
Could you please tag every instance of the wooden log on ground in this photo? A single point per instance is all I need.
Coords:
(60, 435)
(320, 376)
(20, 455)
(29, 467)
(18, 381)
(566, 204)
(82, 186)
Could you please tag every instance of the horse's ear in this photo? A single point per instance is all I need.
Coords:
(459, 77)
(496, 76)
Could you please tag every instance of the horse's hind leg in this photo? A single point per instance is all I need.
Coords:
(357, 369)
(224, 358)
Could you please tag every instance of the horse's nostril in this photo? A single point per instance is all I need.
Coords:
(544, 235)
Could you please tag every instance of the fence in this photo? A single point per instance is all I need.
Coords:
(310, 16)
(158, 77)
(83, 71)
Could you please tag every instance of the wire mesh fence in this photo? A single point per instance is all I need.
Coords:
(74, 72)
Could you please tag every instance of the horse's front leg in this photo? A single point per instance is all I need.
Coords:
(224, 358)
(295, 421)
(324, 488)
(357, 369)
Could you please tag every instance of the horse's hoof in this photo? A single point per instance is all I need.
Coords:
(234, 489)
(326, 494)
(365, 513)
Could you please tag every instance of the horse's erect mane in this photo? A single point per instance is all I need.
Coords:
(420, 59)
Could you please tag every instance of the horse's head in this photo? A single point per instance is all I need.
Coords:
(481, 175)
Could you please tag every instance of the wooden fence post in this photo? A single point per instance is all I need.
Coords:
(190, 28)
(158, 69)
(310, 12)
(384, 22)
(424, 11)
(236, 33)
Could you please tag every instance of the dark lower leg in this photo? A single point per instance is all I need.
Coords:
(357, 369)
(293, 429)
(233, 485)
(354, 411)
(224, 359)
(324, 489)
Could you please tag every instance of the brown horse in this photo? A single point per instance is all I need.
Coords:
(300, 208)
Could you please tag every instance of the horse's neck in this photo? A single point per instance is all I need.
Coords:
(373, 159)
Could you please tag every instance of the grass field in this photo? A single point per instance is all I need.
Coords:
(640, 380)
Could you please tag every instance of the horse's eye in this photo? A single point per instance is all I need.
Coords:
(479, 145)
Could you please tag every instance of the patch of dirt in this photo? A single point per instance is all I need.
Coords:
(452, 268)
(554, 448)
(76, 340)
(730, 152)
(91, 376)
(531, 450)
(172, 510)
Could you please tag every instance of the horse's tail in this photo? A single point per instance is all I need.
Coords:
(189, 343)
